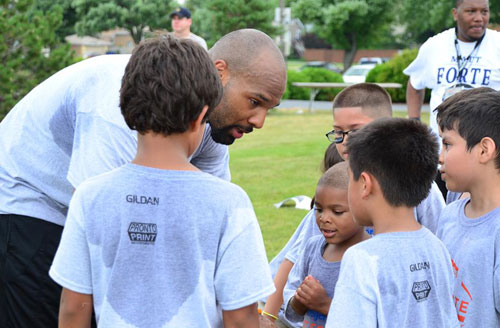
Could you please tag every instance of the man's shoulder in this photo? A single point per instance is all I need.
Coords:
(437, 39)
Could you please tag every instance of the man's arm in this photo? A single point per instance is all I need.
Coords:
(241, 318)
(75, 310)
(414, 100)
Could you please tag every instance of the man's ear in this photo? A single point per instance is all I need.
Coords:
(222, 70)
(198, 122)
(455, 14)
(487, 150)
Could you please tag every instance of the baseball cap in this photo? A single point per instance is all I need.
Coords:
(181, 12)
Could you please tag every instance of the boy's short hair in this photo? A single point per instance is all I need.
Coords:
(374, 100)
(335, 177)
(167, 83)
(401, 154)
(473, 117)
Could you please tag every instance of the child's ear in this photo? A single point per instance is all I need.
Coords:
(222, 70)
(367, 184)
(487, 150)
(198, 122)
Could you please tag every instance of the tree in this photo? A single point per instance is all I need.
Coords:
(216, 18)
(347, 24)
(136, 16)
(29, 49)
(69, 18)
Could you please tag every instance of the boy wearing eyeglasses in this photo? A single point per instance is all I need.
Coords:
(356, 106)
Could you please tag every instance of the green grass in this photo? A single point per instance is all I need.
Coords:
(280, 161)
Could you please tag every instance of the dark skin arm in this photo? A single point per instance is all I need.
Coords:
(414, 100)
(312, 295)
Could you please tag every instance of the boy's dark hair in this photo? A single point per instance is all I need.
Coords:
(459, 96)
(473, 117)
(166, 84)
(373, 99)
(331, 157)
(401, 154)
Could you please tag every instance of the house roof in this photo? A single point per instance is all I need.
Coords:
(86, 41)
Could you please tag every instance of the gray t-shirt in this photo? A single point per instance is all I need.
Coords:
(70, 128)
(311, 263)
(398, 279)
(474, 246)
(161, 248)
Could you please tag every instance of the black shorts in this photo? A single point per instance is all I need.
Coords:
(28, 296)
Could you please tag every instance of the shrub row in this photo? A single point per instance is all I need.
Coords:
(311, 74)
(392, 71)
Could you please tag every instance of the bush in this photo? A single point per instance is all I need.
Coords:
(392, 72)
(311, 75)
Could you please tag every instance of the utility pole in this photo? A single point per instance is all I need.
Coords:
(282, 25)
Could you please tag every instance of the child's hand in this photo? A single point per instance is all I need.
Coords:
(312, 294)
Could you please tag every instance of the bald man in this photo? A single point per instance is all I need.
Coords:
(70, 128)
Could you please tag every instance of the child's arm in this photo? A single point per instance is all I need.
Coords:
(313, 296)
(75, 310)
(241, 318)
(274, 301)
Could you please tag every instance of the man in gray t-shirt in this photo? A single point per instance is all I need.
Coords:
(70, 128)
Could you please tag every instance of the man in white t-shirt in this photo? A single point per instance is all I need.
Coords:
(70, 128)
(181, 26)
(464, 57)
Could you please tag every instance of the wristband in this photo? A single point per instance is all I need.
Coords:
(272, 316)
(415, 118)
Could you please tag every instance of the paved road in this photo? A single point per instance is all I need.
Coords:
(327, 105)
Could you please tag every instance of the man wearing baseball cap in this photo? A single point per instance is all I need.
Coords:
(181, 25)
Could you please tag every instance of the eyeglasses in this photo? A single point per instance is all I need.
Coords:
(338, 136)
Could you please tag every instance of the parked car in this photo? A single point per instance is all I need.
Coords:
(357, 73)
(322, 64)
(372, 60)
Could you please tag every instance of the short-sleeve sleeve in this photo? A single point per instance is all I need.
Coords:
(242, 275)
(297, 275)
(71, 267)
(418, 70)
(352, 304)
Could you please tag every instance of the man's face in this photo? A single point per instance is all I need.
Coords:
(244, 105)
(472, 17)
(347, 119)
(180, 25)
(456, 161)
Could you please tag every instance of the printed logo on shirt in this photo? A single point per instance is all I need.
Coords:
(143, 200)
(142, 233)
(421, 290)
(420, 266)
(462, 297)
(314, 319)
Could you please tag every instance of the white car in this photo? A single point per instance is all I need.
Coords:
(357, 73)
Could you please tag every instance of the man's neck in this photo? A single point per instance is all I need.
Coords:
(182, 35)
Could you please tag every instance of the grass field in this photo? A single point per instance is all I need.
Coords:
(280, 161)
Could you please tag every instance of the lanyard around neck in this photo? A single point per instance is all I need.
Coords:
(462, 63)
